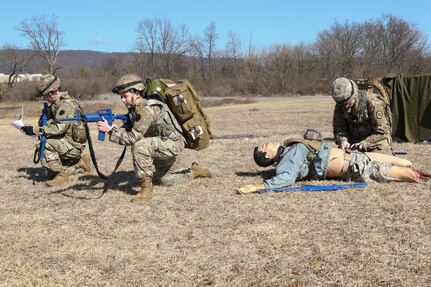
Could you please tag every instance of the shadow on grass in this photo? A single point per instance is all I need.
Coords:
(35, 174)
(266, 174)
(123, 181)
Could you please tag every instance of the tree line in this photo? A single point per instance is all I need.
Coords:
(374, 48)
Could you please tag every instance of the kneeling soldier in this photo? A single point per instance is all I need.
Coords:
(362, 120)
(65, 140)
(155, 137)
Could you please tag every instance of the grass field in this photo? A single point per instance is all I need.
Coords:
(201, 233)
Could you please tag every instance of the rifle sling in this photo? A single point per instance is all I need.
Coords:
(36, 156)
(93, 155)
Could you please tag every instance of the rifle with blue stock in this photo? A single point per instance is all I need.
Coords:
(110, 117)
(106, 114)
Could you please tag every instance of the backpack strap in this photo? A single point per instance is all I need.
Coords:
(174, 127)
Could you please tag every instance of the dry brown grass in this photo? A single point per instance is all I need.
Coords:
(201, 233)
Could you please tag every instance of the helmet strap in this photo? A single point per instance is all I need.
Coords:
(352, 93)
(117, 89)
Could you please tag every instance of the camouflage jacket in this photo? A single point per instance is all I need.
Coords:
(149, 118)
(72, 131)
(368, 122)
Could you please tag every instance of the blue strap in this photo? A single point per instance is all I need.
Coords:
(310, 187)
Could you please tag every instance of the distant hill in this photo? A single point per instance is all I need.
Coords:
(70, 58)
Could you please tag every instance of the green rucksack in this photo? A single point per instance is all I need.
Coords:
(374, 85)
(184, 103)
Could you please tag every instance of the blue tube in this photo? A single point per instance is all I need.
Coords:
(310, 187)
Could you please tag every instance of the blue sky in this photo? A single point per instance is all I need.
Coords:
(110, 26)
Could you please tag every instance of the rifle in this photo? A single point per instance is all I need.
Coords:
(310, 187)
(92, 118)
(38, 153)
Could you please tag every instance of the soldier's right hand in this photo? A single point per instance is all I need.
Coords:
(28, 130)
(103, 126)
(345, 145)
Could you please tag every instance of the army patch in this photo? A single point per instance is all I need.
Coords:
(379, 114)
(61, 112)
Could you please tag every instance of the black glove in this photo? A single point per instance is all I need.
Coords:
(28, 130)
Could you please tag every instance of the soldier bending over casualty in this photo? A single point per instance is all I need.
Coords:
(297, 159)
(362, 120)
(155, 138)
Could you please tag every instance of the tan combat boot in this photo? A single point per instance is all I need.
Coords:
(199, 171)
(147, 190)
(84, 163)
(60, 179)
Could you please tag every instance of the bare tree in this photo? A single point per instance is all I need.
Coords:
(174, 44)
(302, 70)
(391, 44)
(233, 46)
(146, 47)
(338, 47)
(45, 39)
(232, 56)
(250, 79)
(204, 49)
(160, 45)
(279, 66)
(14, 61)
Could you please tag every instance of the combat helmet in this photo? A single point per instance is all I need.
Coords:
(47, 83)
(343, 90)
(128, 82)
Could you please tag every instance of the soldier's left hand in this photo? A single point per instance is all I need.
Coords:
(28, 130)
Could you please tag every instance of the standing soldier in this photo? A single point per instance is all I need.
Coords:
(362, 120)
(65, 140)
(155, 136)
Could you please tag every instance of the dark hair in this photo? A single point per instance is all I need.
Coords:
(260, 158)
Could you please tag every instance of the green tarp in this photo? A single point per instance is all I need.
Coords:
(411, 106)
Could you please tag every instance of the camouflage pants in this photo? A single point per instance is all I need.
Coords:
(156, 157)
(60, 155)
(363, 169)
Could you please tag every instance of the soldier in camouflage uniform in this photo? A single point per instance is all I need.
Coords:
(65, 140)
(155, 137)
(361, 120)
